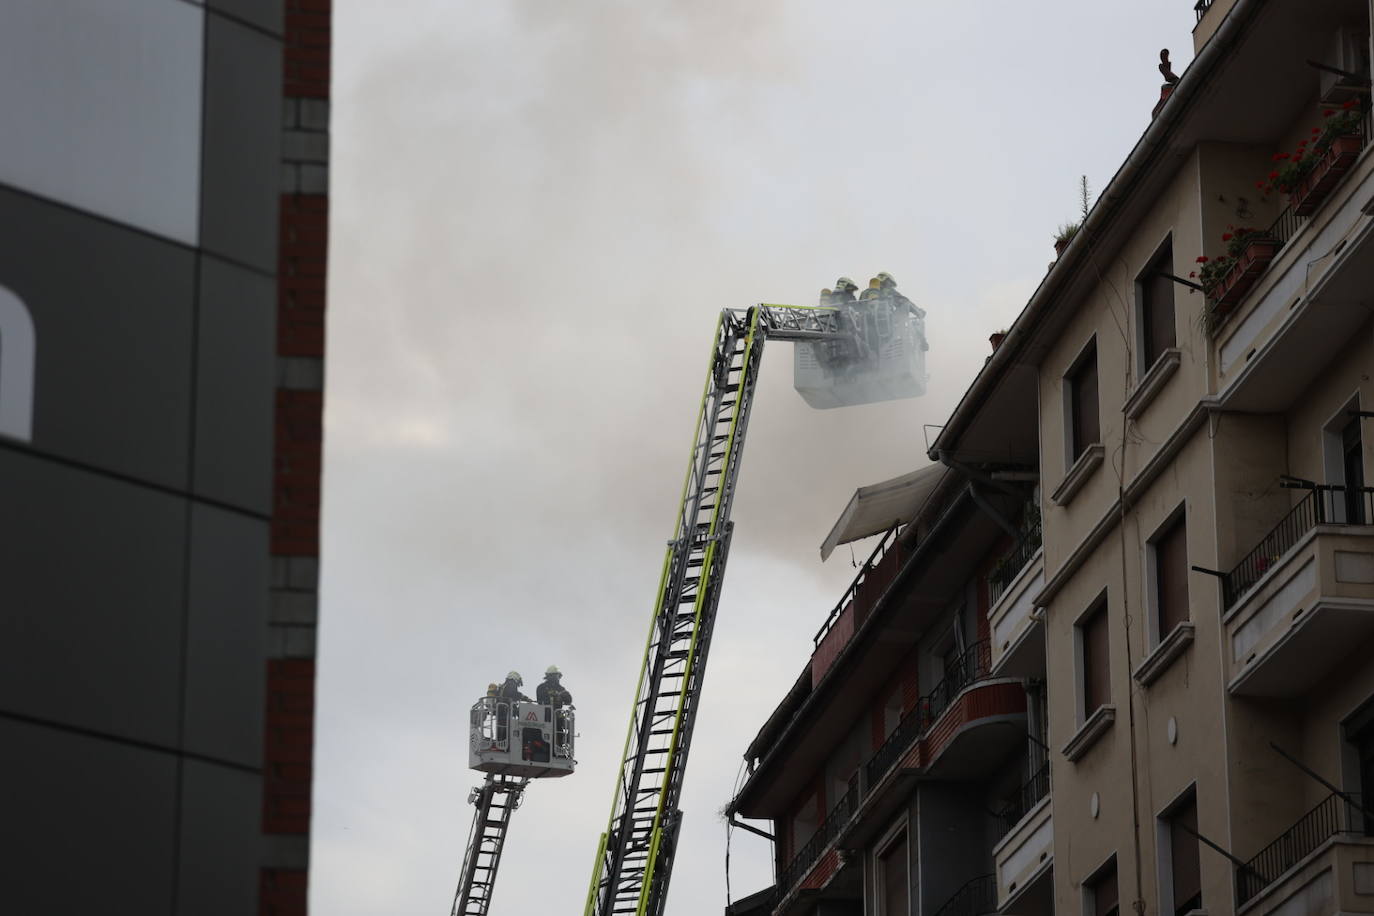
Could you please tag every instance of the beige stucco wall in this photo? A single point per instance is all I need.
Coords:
(1189, 691)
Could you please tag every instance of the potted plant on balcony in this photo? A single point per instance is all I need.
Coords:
(1063, 235)
(1227, 278)
(1309, 173)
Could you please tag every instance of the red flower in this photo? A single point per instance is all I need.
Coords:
(1191, 274)
(1278, 157)
(1226, 236)
(1202, 259)
(1273, 175)
(1349, 103)
(1316, 130)
(1260, 185)
(1328, 113)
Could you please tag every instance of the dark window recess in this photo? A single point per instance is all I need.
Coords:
(1082, 380)
(533, 746)
(1102, 893)
(1171, 576)
(1157, 309)
(1097, 688)
(1352, 459)
(1183, 858)
(893, 867)
(1364, 748)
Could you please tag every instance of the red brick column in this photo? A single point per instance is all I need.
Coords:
(303, 246)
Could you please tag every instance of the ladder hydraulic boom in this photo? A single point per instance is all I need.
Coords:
(634, 857)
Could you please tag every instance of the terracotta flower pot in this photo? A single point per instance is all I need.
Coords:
(1326, 174)
(1250, 265)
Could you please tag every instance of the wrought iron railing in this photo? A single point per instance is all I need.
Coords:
(1027, 797)
(1201, 8)
(888, 541)
(1324, 504)
(970, 666)
(975, 898)
(830, 828)
(1332, 816)
(1020, 555)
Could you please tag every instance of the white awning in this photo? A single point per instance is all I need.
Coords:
(876, 508)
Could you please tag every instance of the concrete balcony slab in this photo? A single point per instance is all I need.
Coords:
(1305, 615)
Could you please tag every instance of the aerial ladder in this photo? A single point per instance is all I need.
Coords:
(513, 742)
(846, 355)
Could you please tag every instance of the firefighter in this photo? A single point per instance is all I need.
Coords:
(552, 692)
(844, 291)
(508, 693)
(510, 690)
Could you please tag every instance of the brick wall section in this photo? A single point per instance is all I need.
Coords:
(281, 891)
(307, 49)
(822, 871)
(303, 250)
(304, 234)
(296, 478)
(287, 748)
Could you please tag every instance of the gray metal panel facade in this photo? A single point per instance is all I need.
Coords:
(135, 519)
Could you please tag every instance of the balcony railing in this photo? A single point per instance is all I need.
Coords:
(889, 540)
(1288, 223)
(1014, 562)
(1332, 816)
(1201, 8)
(1323, 505)
(1027, 797)
(975, 898)
(830, 828)
(970, 666)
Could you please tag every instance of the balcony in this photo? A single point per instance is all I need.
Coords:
(964, 725)
(976, 898)
(1025, 851)
(817, 862)
(1308, 301)
(1297, 603)
(1323, 864)
(878, 572)
(1018, 643)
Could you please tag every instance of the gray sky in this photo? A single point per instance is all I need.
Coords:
(538, 209)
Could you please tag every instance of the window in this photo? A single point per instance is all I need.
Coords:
(1181, 886)
(1100, 893)
(892, 879)
(16, 367)
(1343, 459)
(1155, 294)
(1168, 561)
(1352, 461)
(1081, 383)
(1093, 660)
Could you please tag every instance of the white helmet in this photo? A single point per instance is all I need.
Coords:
(552, 671)
(515, 676)
(844, 284)
(885, 279)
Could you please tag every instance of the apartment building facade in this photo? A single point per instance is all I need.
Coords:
(1193, 636)
(163, 208)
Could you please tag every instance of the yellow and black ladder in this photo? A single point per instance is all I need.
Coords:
(634, 857)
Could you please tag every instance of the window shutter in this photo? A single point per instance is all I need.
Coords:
(1085, 430)
(1171, 576)
(1183, 853)
(1158, 309)
(1096, 666)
